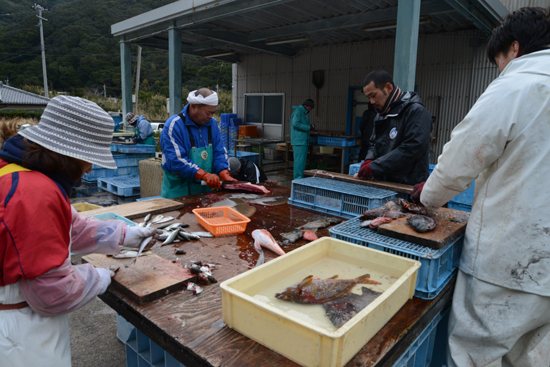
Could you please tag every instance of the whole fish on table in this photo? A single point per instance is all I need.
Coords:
(244, 186)
(377, 222)
(293, 236)
(142, 245)
(421, 223)
(373, 213)
(314, 290)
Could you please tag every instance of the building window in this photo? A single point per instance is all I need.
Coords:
(265, 108)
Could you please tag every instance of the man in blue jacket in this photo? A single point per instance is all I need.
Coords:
(192, 148)
(299, 135)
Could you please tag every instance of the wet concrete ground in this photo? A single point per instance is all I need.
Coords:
(93, 327)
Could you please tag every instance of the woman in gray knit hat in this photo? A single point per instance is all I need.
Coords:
(39, 166)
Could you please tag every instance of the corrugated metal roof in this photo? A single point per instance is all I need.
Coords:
(13, 96)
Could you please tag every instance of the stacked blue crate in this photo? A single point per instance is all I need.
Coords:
(234, 124)
(127, 164)
(224, 127)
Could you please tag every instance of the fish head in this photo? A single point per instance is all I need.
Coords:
(292, 294)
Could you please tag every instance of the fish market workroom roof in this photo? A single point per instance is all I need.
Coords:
(229, 28)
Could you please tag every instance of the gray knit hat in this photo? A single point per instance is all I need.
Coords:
(77, 128)
(234, 164)
(131, 118)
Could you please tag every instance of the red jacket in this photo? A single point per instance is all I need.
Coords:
(35, 225)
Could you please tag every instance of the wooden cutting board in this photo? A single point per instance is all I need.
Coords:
(392, 186)
(139, 209)
(450, 224)
(150, 278)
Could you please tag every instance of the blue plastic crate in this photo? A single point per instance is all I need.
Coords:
(251, 156)
(313, 140)
(126, 171)
(121, 186)
(99, 172)
(354, 168)
(336, 142)
(421, 351)
(140, 350)
(110, 216)
(133, 148)
(127, 160)
(459, 206)
(438, 266)
(337, 197)
(236, 122)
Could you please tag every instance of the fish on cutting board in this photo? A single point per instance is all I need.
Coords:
(244, 186)
(313, 290)
(310, 236)
(377, 222)
(373, 213)
(263, 238)
(421, 223)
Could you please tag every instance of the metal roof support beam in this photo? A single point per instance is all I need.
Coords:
(466, 9)
(126, 78)
(194, 50)
(346, 21)
(242, 40)
(406, 44)
(174, 70)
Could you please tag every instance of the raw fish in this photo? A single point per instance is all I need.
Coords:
(416, 209)
(315, 225)
(310, 236)
(313, 290)
(142, 245)
(293, 236)
(263, 238)
(365, 224)
(244, 186)
(377, 222)
(421, 223)
(395, 215)
(373, 213)
(392, 206)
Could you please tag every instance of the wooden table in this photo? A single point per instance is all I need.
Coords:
(342, 154)
(205, 340)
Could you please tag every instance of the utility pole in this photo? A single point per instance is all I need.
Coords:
(40, 9)
(137, 76)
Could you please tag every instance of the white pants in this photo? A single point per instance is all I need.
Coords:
(29, 340)
(495, 326)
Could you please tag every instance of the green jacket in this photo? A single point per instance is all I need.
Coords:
(299, 126)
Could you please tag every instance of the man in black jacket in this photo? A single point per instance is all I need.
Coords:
(400, 144)
(245, 170)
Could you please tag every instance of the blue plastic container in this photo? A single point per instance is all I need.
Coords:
(117, 120)
(121, 186)
(236, 122)
(337, 197)
(421, 351)
(140, 350)
(336, 142)
(133, 149)
(438, 266)
(354, 168)
(251, 156)
(110, 216)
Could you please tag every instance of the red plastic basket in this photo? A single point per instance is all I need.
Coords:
(221, 220)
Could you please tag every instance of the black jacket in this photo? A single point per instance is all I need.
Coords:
(366, 126)
(248, 172)
(400, 142)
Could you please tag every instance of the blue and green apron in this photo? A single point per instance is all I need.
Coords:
(175, 186)
(150, 140)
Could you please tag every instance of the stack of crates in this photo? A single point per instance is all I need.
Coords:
(234, 124)
(224, 127)
(127, 164)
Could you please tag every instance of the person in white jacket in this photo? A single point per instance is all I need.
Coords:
(39, 228)
(500, 314)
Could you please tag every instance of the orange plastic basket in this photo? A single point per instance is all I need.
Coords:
(221, 220)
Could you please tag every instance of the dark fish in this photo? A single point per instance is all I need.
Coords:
(392, 206)
(421, 223)
(313, 290)
(400, 201)
(293, 236)
(244, 186)
(315, 225)
(395, 215)
(416, 209)
(341, 310)
(373, 213)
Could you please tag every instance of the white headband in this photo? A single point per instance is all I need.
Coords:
(211, 100)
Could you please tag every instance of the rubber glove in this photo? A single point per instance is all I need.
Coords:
(105, 275)
(225, 176)
(134, 235)
(365, 170)
(311, 127)
(417, 191)
(211, 180)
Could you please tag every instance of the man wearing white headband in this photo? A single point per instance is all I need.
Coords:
(192, 148)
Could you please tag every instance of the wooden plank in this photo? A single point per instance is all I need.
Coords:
(450, 224)
(386, 185)
(150, 278)
(139, 208)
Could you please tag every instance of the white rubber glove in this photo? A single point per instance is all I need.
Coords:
(105, 275)
(134, 235)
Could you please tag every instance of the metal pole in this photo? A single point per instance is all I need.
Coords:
(137, 77)
(45, 76)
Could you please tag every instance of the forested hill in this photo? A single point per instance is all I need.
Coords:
(81, 53)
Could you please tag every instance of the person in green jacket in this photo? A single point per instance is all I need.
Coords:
(299, 135)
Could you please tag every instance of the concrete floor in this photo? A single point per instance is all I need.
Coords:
(93, 327)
